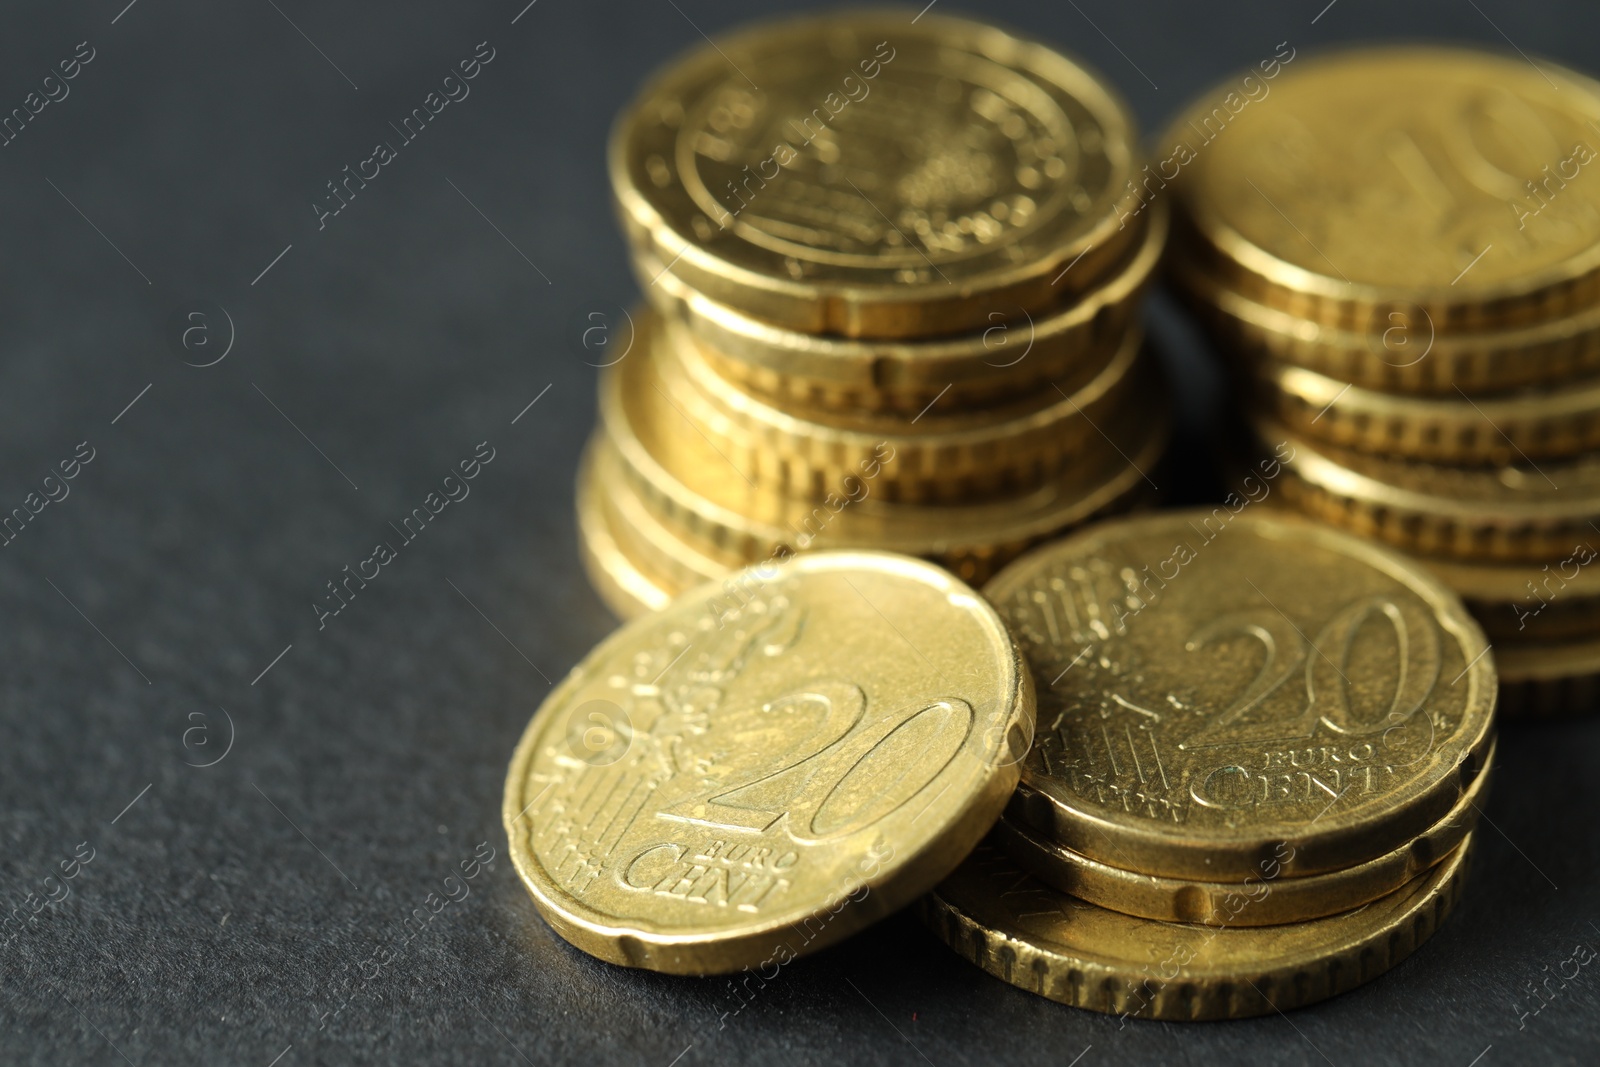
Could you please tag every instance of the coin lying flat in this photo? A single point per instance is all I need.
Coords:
(676, 563)
(732, 783)
(873, 176)
(1530, 603)
(705, 499)
(1023, 932)
(1010, 355)
(1442, 183)
(950, 457)
(1551, 679)
(1406, 352)
(1520, 604)
(627, 588)
(1215, 684)
(1523, 513)
(1527, 425)
(1265, 898)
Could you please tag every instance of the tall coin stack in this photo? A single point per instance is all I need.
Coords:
(1400, 248)
(893, 269)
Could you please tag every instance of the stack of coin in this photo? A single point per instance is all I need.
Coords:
(1260, 756)
(893, 268)
(1401, 249)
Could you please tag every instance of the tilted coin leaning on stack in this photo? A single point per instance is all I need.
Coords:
(1401, 249)
(893, 273)
(708, 792)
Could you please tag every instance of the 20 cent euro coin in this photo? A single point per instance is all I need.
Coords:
(768, 764)
(1225, 689)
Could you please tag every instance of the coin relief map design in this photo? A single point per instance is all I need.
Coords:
(879, 150)
(954, 156)
(1222, 680)
(744, 762)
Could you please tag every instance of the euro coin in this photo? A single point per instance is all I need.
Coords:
(624, 586)
(1550, 678)
(1445, 184)
(1039, 939)
(1010, 355)
(1501, 429)
(733, 783)
(938, 457)
(1404, 353)
(1214, 684)
(704, 497)
(1263, 899)
(1526, 512)
(874, 176)
(1557, 601)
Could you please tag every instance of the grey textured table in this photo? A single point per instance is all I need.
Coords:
(160, 615)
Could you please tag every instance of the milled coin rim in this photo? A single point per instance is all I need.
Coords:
(1506, 583)
(1549, 661)
(1488, 360)
(1320, 465)
(938, 457)
(1226, 854)
(905, 876)
(957, 359)
(1267, 899)
(855, 306)
(981, 529)
(621, 583)
(1102, 978)
(1550, 679)
(1322, 480)
(1532, 424)
(647, 535)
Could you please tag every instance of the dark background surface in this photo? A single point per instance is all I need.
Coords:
(229, 906)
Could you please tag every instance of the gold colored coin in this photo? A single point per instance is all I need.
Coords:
(864, 175)
(829, 373)
(645, 536)
(1263, 899)
(703, 498)
(709, 791)
(1530, 425)
(938, 457)
(624, 587)
(1510, 514)
(1530, 603)
(1548, 679)
(1406, 353)
(1039, 939)
(1442, 183)
(1214, 684)
(673, 562)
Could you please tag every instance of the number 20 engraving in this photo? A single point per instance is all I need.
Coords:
(848, 774)
(1321, 663)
